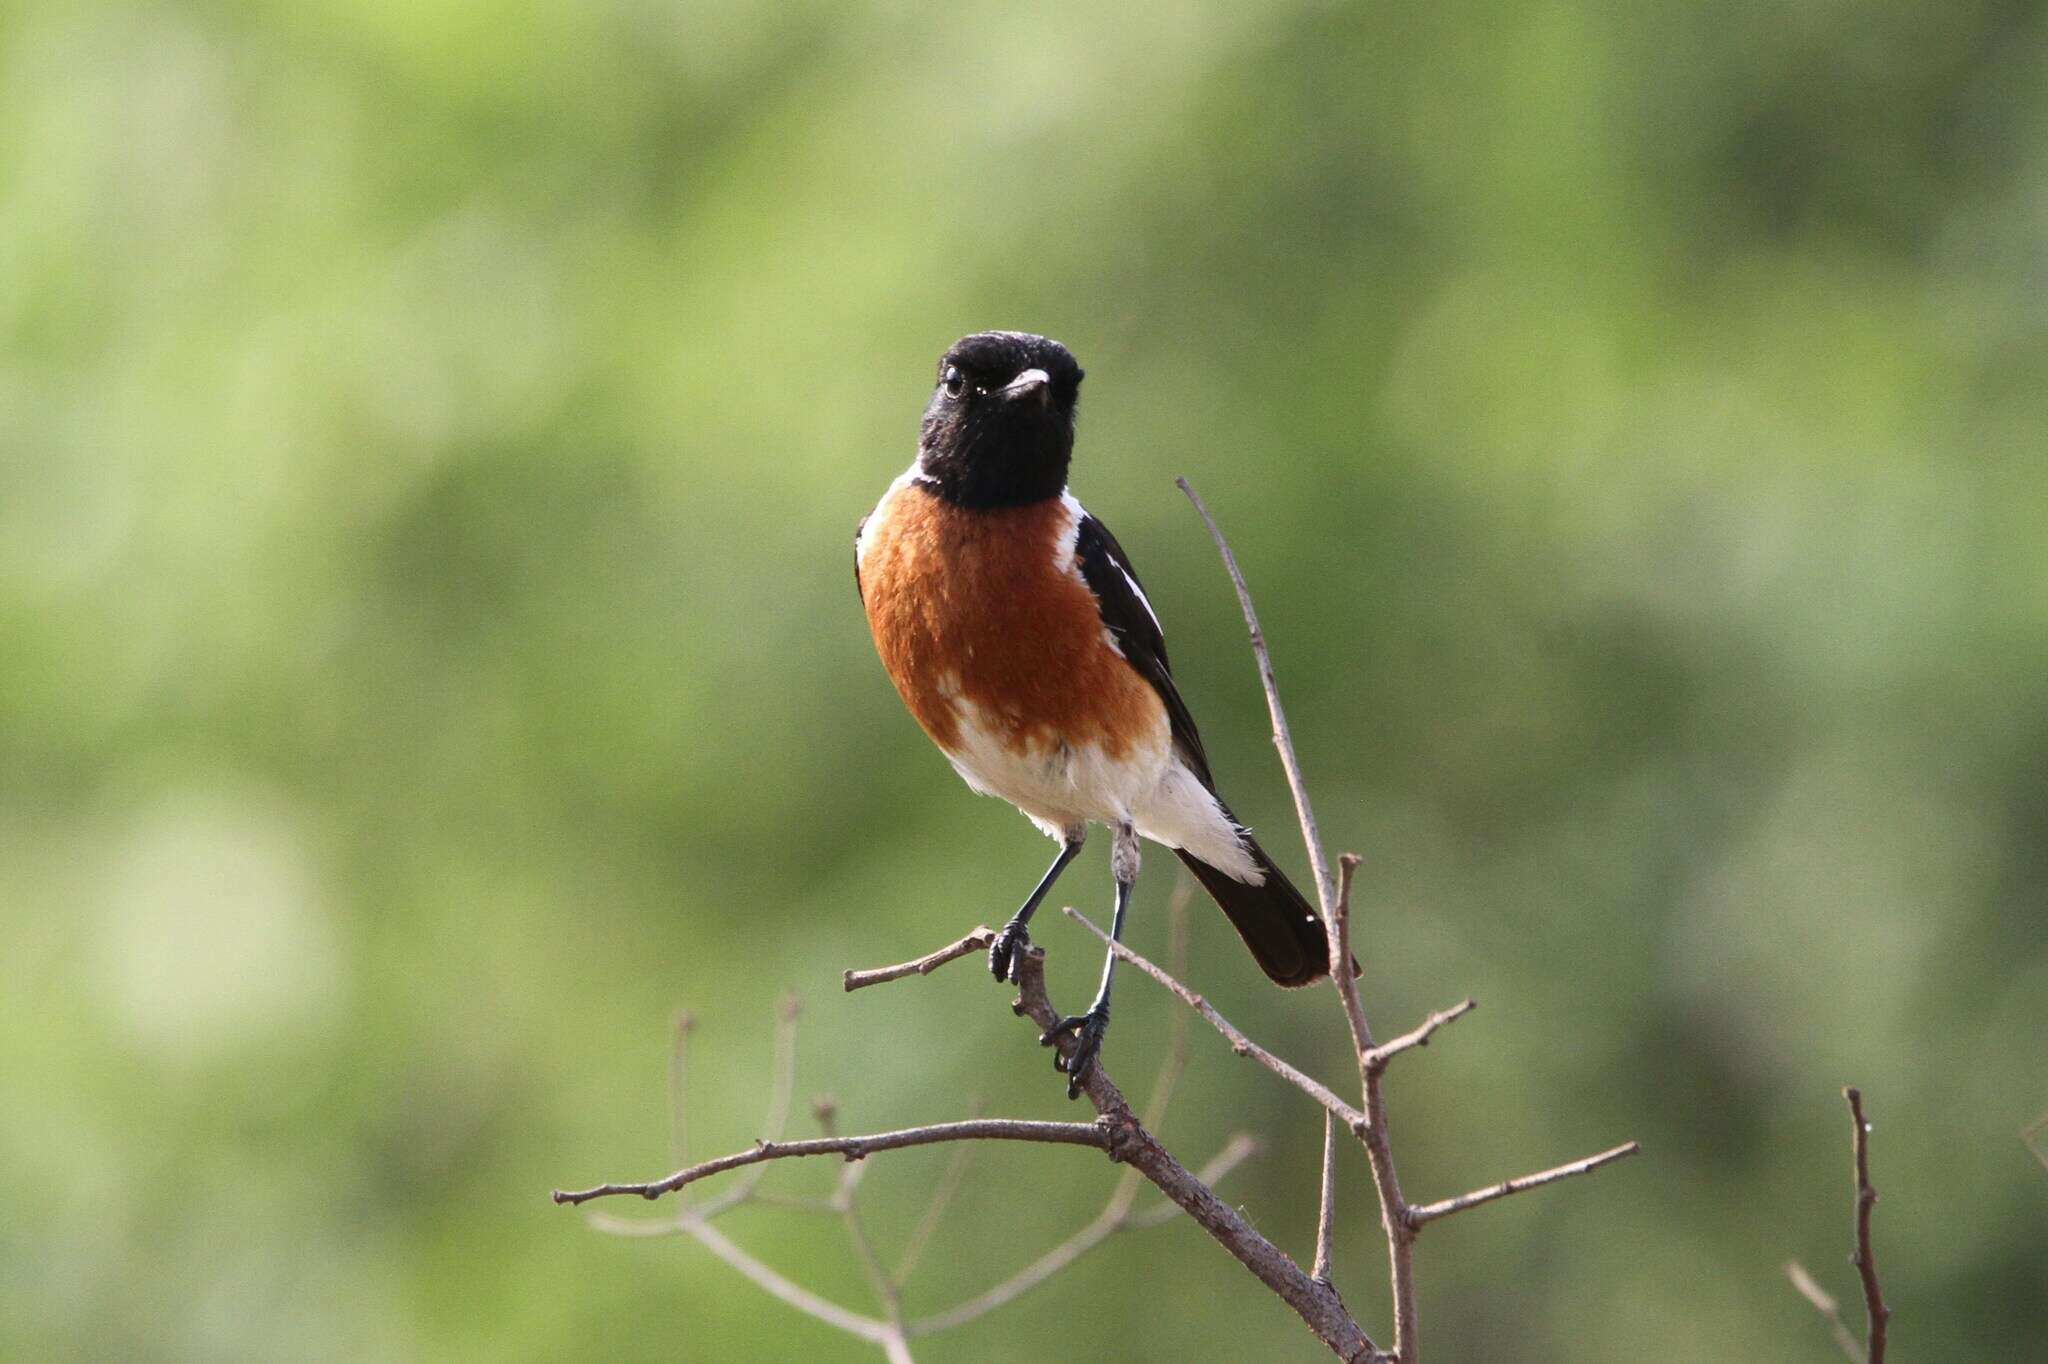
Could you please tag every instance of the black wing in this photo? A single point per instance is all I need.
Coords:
(1120, 598)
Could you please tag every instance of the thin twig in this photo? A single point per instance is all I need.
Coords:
(1115, 1217)
(864, 1251)
(859, 1148)
(1430, 1212)
(1339, 915)
(1282, 739)
(1394, 1209)
(1866, 1263)
(781, 1088)
(1239, 1043)
(1397, 1222)
(942, 1197)
(1117, 1214)
(1379, 1056)
(1326, 1216)
(977, 941)
(1825, 1304)
(1105, 1224)
(1177, 1041)
(795, 1295)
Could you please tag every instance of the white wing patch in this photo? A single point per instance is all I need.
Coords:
(1063, 559)
(1143, 600)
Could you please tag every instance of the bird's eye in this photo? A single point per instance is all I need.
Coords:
(955, 383)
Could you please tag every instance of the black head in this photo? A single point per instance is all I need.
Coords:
(999, 430)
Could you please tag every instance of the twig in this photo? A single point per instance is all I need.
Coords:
(1397, 1222)
(949, 1185)
(1282, 739)
(1177, 1041)
(1339, 916)
(1115, 1217)
(1117, 1214)
(1316, 1304)
(1326, 1217)
(1372, 1130)
(1430, 1212)
(689, 1222)
(1378, 1057)
(1104, 1225)
(977, 941)
(1825, 1304)
(1094, 1134)
(2030, 1137)
(780, 1090)
(1866, 1264)
(864, 1250)
(1397, 1217)
(1239, 1043)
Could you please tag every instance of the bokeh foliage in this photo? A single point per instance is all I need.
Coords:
(431, 433)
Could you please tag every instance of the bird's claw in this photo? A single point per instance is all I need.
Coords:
(1007, 950)
(1078, 1064)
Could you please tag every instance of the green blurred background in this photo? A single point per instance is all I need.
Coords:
(432, 434)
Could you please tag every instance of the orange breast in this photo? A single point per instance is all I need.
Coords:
(972, 603)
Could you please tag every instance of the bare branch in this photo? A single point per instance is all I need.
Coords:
(1430, 1212)
(864, 1250)
(1866, 1264)
(1282, 739)
(977, 941)
(1105, 1224)
(1825, 1304)
(689, 1222)
(1396, 1223)
(1316, 1304)
(1093, 1134)
(1394, 1219)
(1326, 1217)
(1339, 915)
(1377, 1058)
(1239, 1043)
(1240, 1148)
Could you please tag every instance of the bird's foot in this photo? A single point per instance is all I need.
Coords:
(1007, 950)
(1088, 1030)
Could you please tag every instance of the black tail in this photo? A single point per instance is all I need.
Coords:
(1277, 924)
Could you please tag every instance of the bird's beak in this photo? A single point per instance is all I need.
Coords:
(1032, 383)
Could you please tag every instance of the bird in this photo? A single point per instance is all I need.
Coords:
(1021, 640)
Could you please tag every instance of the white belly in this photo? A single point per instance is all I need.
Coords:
(1064, 787)
(1059, 786)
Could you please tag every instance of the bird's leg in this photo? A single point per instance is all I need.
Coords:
(1090, 1028)
(1012, 939)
